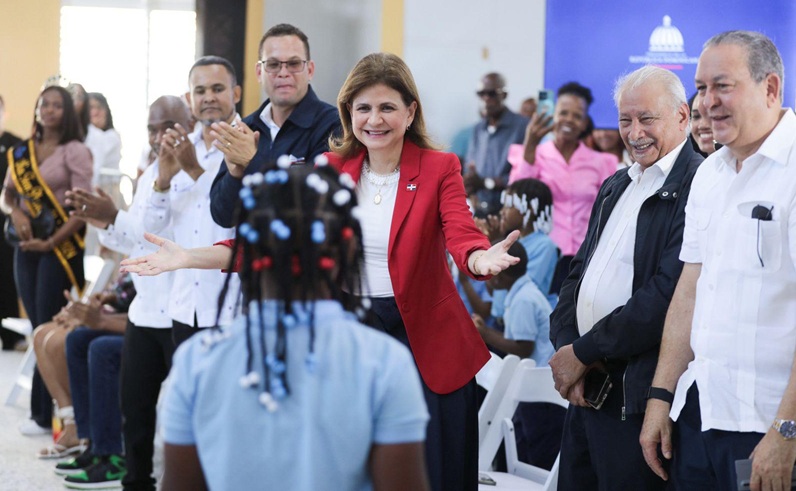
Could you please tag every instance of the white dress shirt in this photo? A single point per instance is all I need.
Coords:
(608, 281)
(743, 333)
(185, 210)
(126, 236)
(267, 118)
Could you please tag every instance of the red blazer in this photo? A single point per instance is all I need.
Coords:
(431, 215)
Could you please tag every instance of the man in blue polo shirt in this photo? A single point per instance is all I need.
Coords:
(292, 121)
(487, 170)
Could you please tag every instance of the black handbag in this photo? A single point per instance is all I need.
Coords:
(42, 227)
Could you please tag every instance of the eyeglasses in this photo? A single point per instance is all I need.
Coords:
(490, 93)
(275, 66)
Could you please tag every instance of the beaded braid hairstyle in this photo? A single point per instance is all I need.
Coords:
(533, 199)
(297, 228)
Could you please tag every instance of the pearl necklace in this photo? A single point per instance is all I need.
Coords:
(379, 180)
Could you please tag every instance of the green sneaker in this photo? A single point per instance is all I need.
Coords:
(106, 473)
(76, 465)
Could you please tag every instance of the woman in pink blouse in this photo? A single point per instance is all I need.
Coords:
(573, 171)
(48, 254)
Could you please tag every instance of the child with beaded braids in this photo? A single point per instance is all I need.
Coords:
(296, 394)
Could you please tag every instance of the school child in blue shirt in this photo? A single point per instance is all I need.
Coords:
(296, 394)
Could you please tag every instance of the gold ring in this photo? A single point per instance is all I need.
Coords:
(228, 144)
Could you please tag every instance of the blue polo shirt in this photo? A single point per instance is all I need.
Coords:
(542, 255)
(527, 318)
(364, 390)
(304, 135)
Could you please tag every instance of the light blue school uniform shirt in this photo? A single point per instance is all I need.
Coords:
(364, 390)
(542, 255)
(527, 318)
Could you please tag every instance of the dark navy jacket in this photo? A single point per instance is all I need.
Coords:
(628, 339)
(304, 135)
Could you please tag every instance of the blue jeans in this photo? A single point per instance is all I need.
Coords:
(94, 361)
(40, 281)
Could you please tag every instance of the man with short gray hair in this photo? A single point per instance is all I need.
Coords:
(727, 359)
(607, 325)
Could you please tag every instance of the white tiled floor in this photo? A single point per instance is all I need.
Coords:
(20, 470)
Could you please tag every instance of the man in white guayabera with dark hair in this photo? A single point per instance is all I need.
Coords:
(727, 353)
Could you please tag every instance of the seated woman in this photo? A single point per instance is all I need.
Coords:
(49, 341)
(296, 381)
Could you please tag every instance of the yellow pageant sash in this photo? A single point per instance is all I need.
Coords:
(29, 183)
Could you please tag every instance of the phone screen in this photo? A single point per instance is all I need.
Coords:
(546, 103)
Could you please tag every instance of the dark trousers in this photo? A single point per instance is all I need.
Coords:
(8, 300)
(537, 429)
(146, 360)
(705, 460)
(181, 332)
(452, 435)
(599, 451)
(41, 280)
(94, 361)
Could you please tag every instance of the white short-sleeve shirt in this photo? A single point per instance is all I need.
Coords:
(743, 333)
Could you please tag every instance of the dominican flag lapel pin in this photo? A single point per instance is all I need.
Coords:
(411, 187)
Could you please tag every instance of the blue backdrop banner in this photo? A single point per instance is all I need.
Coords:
(595, 43)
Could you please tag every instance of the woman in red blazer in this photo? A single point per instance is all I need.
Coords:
(412, 208)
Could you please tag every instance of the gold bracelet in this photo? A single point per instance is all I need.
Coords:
(475, 268)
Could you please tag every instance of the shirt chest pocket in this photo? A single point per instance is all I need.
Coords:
(757, 245)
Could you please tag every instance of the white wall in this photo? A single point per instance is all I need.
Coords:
(340, 33)
(448, 44)
(451, 44)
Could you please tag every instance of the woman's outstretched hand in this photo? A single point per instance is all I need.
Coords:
(169, 257)
(496, 258)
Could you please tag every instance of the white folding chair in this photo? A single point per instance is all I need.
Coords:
(97, 272)
(529, 384)
(494, 377)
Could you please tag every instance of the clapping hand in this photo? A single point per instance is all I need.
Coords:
(238, 144)
(96, 209)
(177, 143)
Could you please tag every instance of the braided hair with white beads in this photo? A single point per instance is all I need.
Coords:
(297, 240)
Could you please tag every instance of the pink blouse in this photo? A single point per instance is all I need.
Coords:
(574, 186)
(69, 166)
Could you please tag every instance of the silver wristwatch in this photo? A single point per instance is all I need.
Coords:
(786, 428)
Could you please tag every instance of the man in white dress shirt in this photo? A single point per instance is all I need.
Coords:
(613, 303)
(148, 342)
(728, 347)
(181, 199)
